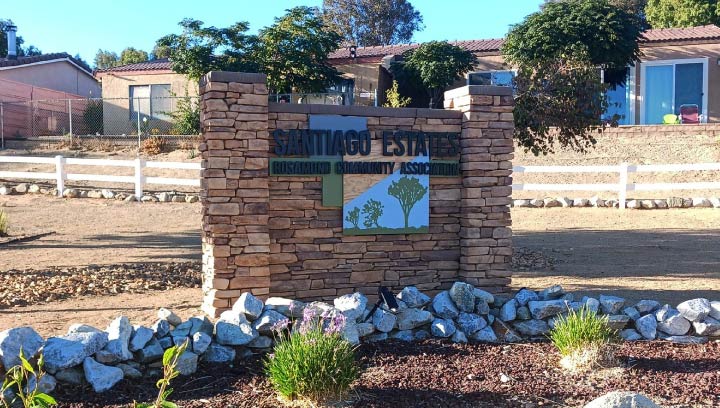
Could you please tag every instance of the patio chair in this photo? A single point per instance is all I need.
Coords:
(670, 119)
(689, 114)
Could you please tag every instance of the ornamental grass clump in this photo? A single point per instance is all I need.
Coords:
(585, 340)
(312, 362)
(3, 224)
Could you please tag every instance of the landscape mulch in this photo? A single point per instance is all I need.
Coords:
(31, 286)
(440, 374)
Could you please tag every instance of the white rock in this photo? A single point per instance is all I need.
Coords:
(13, 340)
(618, 322)
(140, 337)
(647, 326)
(413, 318)
(130, 371)
(200, 342)
(622, 399)
(707, 327)
(4, 190)
(413, 297)
(462, 295)
(249, 305)
(384, 321)
(715, 309)
(484, 335)
(351, 305)
(21, 188)
(234, 330)
(161, 328)
(686, 339)
(553, 292)
(522, 203)
(365, 329)
(551, 203)
(580, 202)
(647, 204)
(119, 332)
(443, 328)
(100, 376)
(662, 204)
(542, 309)
(633, 204)
(630, 335)
(537, 203)
(470, 323)
(532, 327)
(483, 295)
(94, 194)
(715, 202)
(525, 295)
(217, 353)
(647, 306)
(700, 202)
(190, 198)
(172, 318)
(350, 334)
(611, 304)
(73, 375)
(444, 306)
(674, 324)
(287, 307)
(267, 321)
(596, 201)
(675, 202)
(631, 312)
(153, 351)
(82, 328)
(71, 350)
(187, 363)
(565, 202)
(402, 335)
(695, 309)
(107, 194)
(591, 304)
(508, 311)
(47, 384)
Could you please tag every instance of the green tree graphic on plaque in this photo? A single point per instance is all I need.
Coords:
(353, 217)
(408, 191)
(373, 210)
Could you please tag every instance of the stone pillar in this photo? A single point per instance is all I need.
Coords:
(235, 192)
(486, 152)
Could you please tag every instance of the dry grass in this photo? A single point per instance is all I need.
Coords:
(3, 224)
(598, 356)
(153, 146)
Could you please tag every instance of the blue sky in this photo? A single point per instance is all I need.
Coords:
(83, 26)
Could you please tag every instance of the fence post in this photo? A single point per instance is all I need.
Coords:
(70, 117)
(137, 104)
(139, 178)
(60, 174)
(622, 186)
(2, 126)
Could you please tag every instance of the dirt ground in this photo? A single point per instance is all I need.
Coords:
(669, 255)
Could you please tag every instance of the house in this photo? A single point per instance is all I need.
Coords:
(678, 66)
(142, 93)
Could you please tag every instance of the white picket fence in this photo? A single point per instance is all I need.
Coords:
(138, 179)
(622, 187)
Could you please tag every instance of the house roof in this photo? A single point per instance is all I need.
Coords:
(44, 58)
(162, 64)
(663, 35)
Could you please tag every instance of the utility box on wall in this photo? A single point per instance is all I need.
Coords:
(314, 201)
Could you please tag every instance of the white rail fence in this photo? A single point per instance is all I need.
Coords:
(622, 187)
(138, 179)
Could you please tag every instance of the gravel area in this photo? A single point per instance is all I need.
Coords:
(435, 374)
(29, 286)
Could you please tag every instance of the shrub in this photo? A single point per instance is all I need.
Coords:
(583, 339)
(170, 360)
(3, 224)
(394, 98)
(93, 117)
(186, 117)
(17, 381)
(153, 145)
(313, 362)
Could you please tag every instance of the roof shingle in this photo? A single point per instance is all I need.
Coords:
(4, 62)
(706, 32)
(154, 65)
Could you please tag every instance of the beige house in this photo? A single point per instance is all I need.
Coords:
(678, 67)
(58, 71)
(142, 96)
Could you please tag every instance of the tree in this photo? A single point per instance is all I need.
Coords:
(559, 97)
(437, 65)
(105, 59)
(160, 52)
(132, 55)
(19, 41)
(373, 22)
(293, 52)
(353, 217)
(199, 50)
(408, 191)
(394, 98)
(682, 13)
(372, 210)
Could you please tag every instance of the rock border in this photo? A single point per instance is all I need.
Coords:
(461, 314)
(637, 204)
(162, 197)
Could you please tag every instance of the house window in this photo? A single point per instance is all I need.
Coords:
(150, 101)
(667, 85)
(621, 96)
(498, 78)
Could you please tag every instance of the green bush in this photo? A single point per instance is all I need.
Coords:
(580, 330)
(313, 362)
(3, 224)
(186, 116)
(93, 117)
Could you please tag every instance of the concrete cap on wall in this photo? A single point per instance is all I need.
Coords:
(227, 76)
(478, 90)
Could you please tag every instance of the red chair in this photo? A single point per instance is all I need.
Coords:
(689, 114)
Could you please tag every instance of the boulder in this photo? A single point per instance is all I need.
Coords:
(694, 310)
(522, 203)
(675, 202)
(107, 194)
(523, 313)
(715, 309)
(537, 203)
(631, 312)
(662, 204)
(596, 201)
(377, 337)
(384, 321)
(531, 327)
(486, 335)
(618, 322)
(249, 305)
(46, 384)
(164, 197)
(630, 335)
(413, 297)
(161, 328)
(508, 311)
(187, 363)
(73, 375)
(525, 295)
(403, 335)
(484, 295)
(119, 333)
(470, 323)
(153, 351)
(71, 193)
(421, 335)
(94, 194)
(148, 199)
(542, 309)
(267, 321)
(442, 328)
(647, 204)
(647, 306)
(611, 304)
(591, 304)
(234, 330)
(365, 329)
(686, 339)
(101, 377)
(647, 326)
(482, 307)
(707, 327)
(130, 371)
(287, 307)
(21, 188)
(200, 342)
(413, 318)
(351, 305)
(553, 292)
(217, 353)
(565, 202)
(701, 202)
(172, 318)
(71, 350)
(13, 340)
(622, 399)
(191, 198)
(459, 337)
(674, 324)
(551, 203)
(140, 337)
(581, 202)
(462, 295)
(444, 307)
(350, 334)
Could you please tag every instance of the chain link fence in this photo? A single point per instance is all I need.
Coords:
(103, 124)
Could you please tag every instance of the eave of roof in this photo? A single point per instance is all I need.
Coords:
(44, 59)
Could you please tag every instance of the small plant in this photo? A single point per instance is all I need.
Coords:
(584, 340)
(3, 224)
(394, 99)
(93, 117)
(153, 145)
(24, 382)
(170, 360)
(313, 362)
(186, 116)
